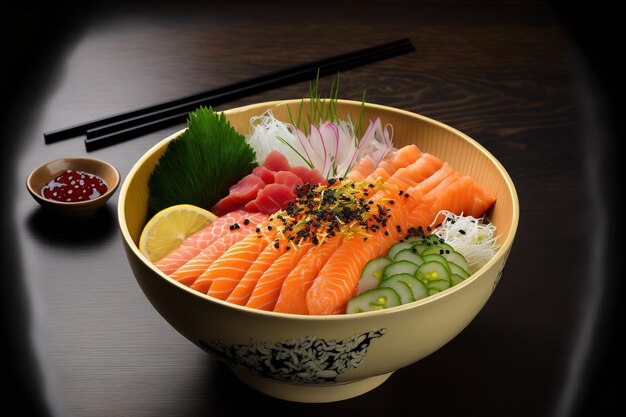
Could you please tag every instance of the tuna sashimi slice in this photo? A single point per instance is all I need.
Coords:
(274, 197)
(312, 176)
(228, 204)
(247, 188)
(289, 179)
(276, 161)
(251, 207)
(267, 175)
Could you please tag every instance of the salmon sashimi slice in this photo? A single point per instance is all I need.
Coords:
(292, 297)
(226, 271)
(393, 161)
(433, 180)
(422, 216)
(463, 196)
(384, 168)
(400, 178)
(366, 166)
(398, 159)
(418, 171)
(405, 156)
(431, 196)
(424, 167)
(195, 243)
(241, 293)
(337, 280)
(379, 173)
(190, 271)
(268, 287)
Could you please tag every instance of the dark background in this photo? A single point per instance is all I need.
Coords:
(31, 35)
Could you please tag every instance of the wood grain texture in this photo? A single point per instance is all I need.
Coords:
(502, 72)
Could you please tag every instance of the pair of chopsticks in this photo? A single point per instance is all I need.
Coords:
(123, 126)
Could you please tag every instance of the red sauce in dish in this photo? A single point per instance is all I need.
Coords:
(74, 186)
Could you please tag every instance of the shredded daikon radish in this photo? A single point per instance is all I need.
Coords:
(470, 236)
(266, 129)
(331, 147)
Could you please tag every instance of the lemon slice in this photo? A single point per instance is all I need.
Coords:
(168, 228)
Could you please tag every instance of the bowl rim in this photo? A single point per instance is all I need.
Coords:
(502, 252)
(111, 187)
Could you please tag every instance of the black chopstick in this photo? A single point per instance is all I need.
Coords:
(122, 126)
(162, 116)
(81, 129)
(127, 129)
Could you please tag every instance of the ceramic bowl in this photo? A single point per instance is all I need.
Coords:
(335, 357)
(41, 175)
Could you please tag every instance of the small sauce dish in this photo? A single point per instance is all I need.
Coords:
(75, 187)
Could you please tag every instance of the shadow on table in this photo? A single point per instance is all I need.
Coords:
(71, 232)
(473, 376)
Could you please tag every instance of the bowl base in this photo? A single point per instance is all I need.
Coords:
(322, 393)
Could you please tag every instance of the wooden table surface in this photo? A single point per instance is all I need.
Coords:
(84, 341)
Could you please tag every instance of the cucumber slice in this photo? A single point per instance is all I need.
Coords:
(372, 274)
(457, 270)
(401, 287)
(439, 249)
(457, 258)
(438, 284)
(449, 253)
(456, 279)
(371, 300)
(417, 239)
(413, 239)
(400, 267)
(418, 288)
(432, 271)
(437, 258)
(410, 255)
(423, 243)
(420, 247)
(397, 247)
